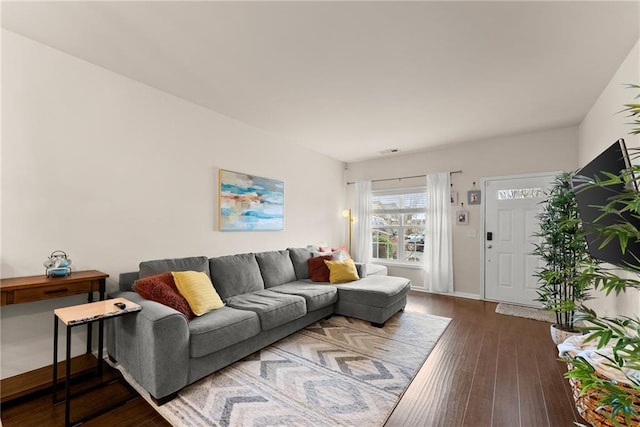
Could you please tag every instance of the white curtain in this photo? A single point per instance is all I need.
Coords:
(362, 227)
(438, 265)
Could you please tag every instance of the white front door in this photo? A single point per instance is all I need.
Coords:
(510, 208)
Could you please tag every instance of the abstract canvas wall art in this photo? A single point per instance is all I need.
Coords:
(250, 203)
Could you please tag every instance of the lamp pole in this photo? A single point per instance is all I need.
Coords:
(348, 214)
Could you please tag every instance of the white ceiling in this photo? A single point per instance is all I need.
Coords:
(350, 79)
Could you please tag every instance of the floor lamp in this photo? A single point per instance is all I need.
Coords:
(347, 214)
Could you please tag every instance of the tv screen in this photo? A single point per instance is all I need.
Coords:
(589, 199)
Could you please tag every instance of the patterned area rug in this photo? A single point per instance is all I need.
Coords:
(527, 312)
(337, 372)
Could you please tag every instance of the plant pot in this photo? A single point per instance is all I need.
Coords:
(558, 335)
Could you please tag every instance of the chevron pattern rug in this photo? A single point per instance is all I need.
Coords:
(336, 372)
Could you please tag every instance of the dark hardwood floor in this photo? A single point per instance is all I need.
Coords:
(486, 370)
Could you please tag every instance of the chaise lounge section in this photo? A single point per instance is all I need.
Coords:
(267, 297)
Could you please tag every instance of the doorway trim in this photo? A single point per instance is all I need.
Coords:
(483, 224)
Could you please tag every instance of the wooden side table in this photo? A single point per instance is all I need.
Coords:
(19, 290)
(83, 314)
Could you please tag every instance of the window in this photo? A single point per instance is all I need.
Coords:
(397, 225)
(520, 193)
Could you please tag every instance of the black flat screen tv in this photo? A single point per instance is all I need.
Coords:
(589, 199)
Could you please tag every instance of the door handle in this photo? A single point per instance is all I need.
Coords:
(489, 246)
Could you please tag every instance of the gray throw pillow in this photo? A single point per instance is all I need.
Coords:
(276, 268)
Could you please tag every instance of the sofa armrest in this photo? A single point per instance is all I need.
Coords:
(152, 345)
(362, 269)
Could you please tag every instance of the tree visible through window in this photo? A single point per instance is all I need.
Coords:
(397, 225)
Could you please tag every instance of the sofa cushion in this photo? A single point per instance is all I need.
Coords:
(273, 308)
(126, 280)
(318, 270)
(316, 296)
(162, 288)
(361, 269)
(375, 291)
(276, 268)
(235, 275)
(150, 268)
(377, 269)
(197, 289)
(299, 258)
(221, 328)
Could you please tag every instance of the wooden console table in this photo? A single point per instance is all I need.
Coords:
(19, 290)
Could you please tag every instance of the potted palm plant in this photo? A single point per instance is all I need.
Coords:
(601, 400)
(562, 247)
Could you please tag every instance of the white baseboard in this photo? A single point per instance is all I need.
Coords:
(453, 294)
(466, 295)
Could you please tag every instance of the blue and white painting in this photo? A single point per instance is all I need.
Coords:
(250, 203)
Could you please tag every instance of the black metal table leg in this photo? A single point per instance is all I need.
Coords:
(67, 383)
(89, 326)
(102, 288)
(55, 359)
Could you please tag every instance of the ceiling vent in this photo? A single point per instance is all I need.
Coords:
(389, 151)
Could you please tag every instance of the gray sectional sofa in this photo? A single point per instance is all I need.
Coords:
(267, 297)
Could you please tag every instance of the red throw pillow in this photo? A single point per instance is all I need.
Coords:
(318, 270)
(162, 288)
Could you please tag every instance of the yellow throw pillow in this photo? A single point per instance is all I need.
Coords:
(342, 271)
(197, 289)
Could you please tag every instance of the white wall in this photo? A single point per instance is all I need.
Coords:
(603, 125)
(546, 151)
(114, 172)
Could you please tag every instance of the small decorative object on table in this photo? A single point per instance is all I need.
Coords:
(58, 264)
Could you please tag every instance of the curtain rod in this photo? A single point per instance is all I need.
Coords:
(402, 177)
